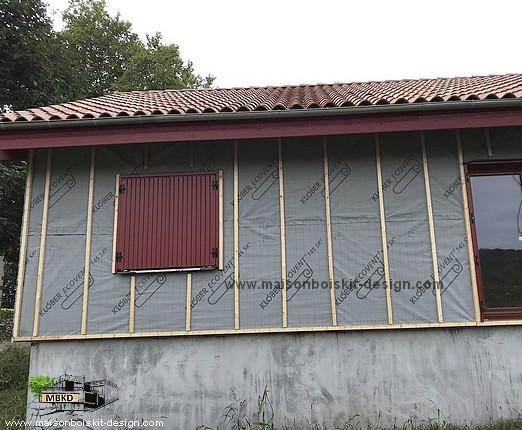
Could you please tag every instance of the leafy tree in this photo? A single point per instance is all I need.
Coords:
(157, 66)
(102, 54)
(12, 183)
(26, 54)
(97, 47)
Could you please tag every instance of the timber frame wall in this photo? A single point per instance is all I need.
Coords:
(237, 323)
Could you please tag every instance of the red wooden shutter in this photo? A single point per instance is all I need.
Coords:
(167, 222)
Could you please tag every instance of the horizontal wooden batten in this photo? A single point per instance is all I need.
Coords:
(448, 325)
(180, 130)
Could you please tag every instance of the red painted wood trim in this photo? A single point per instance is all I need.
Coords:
(257, 128)
(481, 168)
(167, 221)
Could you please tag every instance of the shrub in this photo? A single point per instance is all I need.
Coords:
(39, 383)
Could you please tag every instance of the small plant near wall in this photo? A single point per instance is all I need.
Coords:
(39, 383)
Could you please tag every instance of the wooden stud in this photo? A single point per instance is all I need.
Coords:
(88, 242)
(23, 243)
(488, 142)
(471, 258)
(41, 258)
(146, 156)
(283, 234)
(432, 229)
(189, 300)
(221, 250)
(383, 230)
(132, 300)
(236, 238)
(115, 228)
(329, 230)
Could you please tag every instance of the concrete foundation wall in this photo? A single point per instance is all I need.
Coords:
(462, 375)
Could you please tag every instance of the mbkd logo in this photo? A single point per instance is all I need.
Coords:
(73, 394)
(60, 397)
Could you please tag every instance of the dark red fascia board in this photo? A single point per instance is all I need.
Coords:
(179, 131)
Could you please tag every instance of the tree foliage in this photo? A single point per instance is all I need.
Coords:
(26, 54)
(11, 201)
(97, 47)
(103, 54)
(156, 66)
(93, 55)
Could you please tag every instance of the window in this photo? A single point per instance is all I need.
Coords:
(495, 192)
(168, 222)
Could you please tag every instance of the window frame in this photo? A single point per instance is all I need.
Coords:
(488, 168)
(219, 222)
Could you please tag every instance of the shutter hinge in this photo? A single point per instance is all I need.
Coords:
(214, 253)
(119, 257)
(472, 218)
(476, 260)
(121, 190)
(215, 184)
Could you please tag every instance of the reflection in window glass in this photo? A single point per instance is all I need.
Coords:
(497, 202)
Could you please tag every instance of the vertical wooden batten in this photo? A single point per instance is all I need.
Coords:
(329, 230)
(41, 258)
(88, 241)
(465, 204)
(115, 225)
(236, 237)
(221, 251)
(383, 231)
(23, 243)
(189, 300)
(432, 229)
(132, 300)
(283, 234)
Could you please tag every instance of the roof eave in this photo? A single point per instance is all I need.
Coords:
(253, 115)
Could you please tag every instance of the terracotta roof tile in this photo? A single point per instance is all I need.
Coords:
(216, 100)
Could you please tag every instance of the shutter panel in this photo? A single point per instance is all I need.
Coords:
(167, 222)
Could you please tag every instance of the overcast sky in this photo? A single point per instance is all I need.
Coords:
(258, 43)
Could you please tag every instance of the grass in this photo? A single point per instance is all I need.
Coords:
(236, 416)
(14, 372)
(6, 324)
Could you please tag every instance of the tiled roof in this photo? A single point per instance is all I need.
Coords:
(215, 100)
